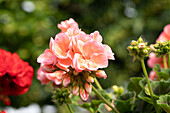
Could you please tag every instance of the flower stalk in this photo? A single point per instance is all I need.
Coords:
(105, 101)
(149, 85)
(97, 83)
(165, 62)
(169, 59)
(71, 111)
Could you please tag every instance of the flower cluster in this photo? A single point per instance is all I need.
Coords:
(73, 59)
(15, 75)
(138, 49)
(158, 49)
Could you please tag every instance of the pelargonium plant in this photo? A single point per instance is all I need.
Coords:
(15, 76)
(75, 59)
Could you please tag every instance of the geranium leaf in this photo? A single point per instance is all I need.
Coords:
(142, 95)
(125, 102)
(134, 84)
(164, 102)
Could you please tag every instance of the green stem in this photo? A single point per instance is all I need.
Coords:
(149, 85)
(97, 83)
(101, 97)
(169, 59)
(71, 111)
(165, 62)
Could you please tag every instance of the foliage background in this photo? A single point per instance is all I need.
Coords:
(26, 27)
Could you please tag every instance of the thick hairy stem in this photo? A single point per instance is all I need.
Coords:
(149, 85)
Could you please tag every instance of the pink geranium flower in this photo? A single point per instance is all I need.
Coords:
(72, 57)
(165, 35)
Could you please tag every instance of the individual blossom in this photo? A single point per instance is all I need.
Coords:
(153, 75)
(165, 35)
(64, 25)
(74, 58)
(15, 75)
(159, 48)
(154, 60)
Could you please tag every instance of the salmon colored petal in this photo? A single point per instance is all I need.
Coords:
(58, 81)
(61, 45)
(167, 30)
(96, 36)
(65, 62)
(109, 53)
(73, 31)
(55, 75)
(78, 62)
(47, 58)
(64, 25)
(42, 77)
(51, 43)
(48, 68)
(97, 61)
(92, 47)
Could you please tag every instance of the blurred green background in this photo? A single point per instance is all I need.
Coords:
(26, 28)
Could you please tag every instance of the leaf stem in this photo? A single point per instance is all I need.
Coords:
(97, 83)
(149, 85)
(105, 101)
(165, 62)
(71, 111)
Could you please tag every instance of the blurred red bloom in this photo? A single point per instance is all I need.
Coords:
(3, 111)
(15, 74)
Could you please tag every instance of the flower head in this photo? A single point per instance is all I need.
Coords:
(74, 58)
(15, 74)
(139, 49)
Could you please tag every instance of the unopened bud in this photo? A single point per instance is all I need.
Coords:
(134, 43)
(141, 45)
(140, 40)
(90, 79)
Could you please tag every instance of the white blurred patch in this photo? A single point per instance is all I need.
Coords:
(130, 12)
(33, 108)
(28, 6)
(49, 109)
(5, 18)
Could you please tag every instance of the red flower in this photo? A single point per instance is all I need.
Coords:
(3, 111)
(15, 74)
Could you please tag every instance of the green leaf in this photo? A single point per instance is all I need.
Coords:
(161, 87)
(162, 73)
(102, 109)
(134, 84)
(125, 102)
(164, 102)
(142, 95)
(142, 83)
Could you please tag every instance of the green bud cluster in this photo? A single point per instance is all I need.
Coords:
(161, 48)
(61, 96)
(118, 90)
(139, 49)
